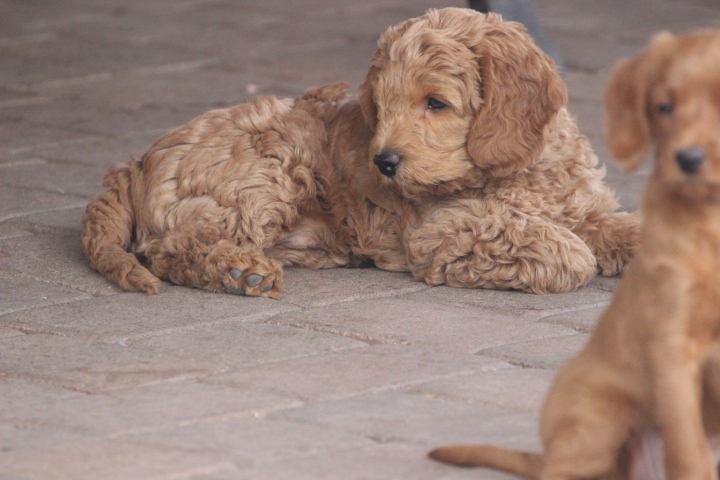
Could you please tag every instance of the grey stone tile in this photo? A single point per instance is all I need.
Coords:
(257, 440)
(54, 256)
(353, 372)
(311, 288)
(410, 320)
(596, 40)
(90, 367)
(9, 332)
(381, 462)
(25, 438)
(68, 219)
(118, 317)
(91, 150)
(525, 306)
(23, 395)
(121, 75)
(17, 136)
(590, 117)
(63, 178)
(549, 353)
(519, 389)
(580, 320)
(152, 410)
(201, 83)
(78, 52)
(95, 459)
(397, 417)
(608, 284)
(587, 87)
(101, 120)
(21, 294)
(231, 346)
(16, 202)
(9, 231)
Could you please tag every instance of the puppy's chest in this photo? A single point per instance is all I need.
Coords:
(703, 268)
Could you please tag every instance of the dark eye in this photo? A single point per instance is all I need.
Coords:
(435, 104)
(665, 108)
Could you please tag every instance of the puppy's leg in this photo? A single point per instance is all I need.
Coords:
(207, 258)
(491, 246)
(711, 401)
(613, 238)
(108, 229)
(587, 419)
(678, 400)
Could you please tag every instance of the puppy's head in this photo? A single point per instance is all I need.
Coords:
(456, 96)
(669, 96)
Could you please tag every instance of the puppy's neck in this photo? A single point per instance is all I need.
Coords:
(699, 201)
(682, 218)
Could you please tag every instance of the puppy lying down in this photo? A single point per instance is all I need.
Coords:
(457, 162)
(642, 400)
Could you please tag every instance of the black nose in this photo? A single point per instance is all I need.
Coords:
(690, 159)
(387, 162)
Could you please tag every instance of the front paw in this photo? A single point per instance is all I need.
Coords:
(245, 282)
(243, 270)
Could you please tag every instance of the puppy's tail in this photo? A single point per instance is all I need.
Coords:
(108, 231)
(524, 464)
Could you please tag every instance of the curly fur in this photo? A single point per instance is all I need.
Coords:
(642, 400)
(496, 190)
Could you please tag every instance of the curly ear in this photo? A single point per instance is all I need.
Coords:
(365, 98)
(522, 91)
(626, 102)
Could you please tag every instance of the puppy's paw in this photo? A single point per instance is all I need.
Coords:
(242, 270)
(139, 279)
(245, 282)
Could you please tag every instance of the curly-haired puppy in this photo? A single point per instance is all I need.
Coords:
(457, 162)
(646, 388)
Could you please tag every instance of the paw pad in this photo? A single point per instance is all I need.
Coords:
(233, 290)
(252, 281)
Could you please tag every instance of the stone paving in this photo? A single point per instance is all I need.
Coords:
(354, 374)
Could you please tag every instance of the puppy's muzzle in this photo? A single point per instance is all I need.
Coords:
(690, 159)
(388, 162)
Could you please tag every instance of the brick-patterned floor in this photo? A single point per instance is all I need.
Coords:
(355, 374)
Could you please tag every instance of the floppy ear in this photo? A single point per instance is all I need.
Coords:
(522, 91)
(628, 128)
(626, 102)
(365, 97)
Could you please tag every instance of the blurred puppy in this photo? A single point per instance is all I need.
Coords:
(647, 385)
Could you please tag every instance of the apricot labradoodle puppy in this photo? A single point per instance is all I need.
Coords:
(457, 162)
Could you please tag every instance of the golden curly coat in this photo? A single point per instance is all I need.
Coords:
(457, 162)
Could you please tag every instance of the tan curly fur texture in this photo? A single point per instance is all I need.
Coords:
(497, 189)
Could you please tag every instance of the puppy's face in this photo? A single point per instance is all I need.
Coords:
(426, 95)
(670, 96)
(454, 97)
(684, 114)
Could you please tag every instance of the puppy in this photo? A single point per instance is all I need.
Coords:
(457, 162)
(647, 385)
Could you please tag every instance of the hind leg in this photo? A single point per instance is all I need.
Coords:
(107, 234)
(206, 257)
(586, 421)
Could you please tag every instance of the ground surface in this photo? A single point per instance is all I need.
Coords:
(355, 374)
